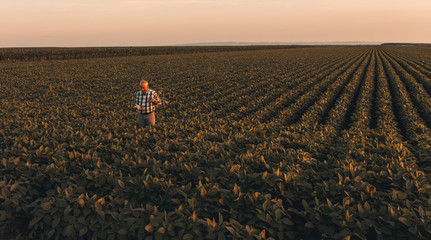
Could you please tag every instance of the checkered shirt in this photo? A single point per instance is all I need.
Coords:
(144, 100)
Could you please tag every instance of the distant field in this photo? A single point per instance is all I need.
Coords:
(58, 53)
(297, 143)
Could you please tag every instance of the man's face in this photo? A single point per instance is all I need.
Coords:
(144, 87)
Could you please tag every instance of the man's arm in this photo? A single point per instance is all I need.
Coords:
(156, 99)
(137, 106)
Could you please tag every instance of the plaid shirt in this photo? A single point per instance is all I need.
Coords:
(144, 100)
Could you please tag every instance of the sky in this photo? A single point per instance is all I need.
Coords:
(80, 23)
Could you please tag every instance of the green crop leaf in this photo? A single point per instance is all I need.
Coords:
(149, 228)
(46, 206)
(69, 231)
(404, 220)
(187, 236)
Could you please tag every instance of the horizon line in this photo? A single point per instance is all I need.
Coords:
(237, 43)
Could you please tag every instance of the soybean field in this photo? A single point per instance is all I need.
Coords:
(294, 143)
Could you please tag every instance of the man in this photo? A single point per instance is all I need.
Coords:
(145, 102)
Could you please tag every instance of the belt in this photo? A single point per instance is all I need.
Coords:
(147, 113)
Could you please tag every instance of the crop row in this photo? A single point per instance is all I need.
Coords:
(414, 125)
(301, 97)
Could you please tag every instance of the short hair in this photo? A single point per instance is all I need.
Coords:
(142, 82)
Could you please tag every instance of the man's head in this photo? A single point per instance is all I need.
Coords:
(144, 86)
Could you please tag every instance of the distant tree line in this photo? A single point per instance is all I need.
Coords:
(33, 54)
(408, 44)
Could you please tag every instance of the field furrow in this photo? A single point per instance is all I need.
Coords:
(362, 88)
(360, 111)
(416, 131)
(419, 96)
(301, 101)
(388, 116)
(418, 59)
(278, 97)
(419, 69)
(339, 103)
(265, 112)
(373, 110)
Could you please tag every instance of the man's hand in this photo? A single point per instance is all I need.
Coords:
(154, 101)
(138, 107)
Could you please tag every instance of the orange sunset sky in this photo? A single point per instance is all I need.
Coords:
(75, 23)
